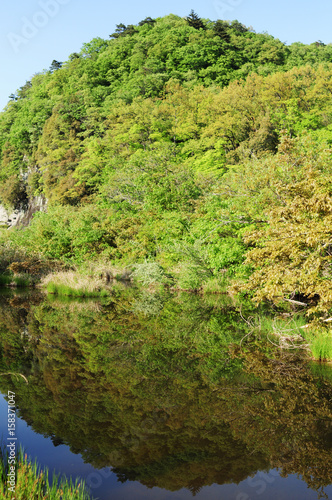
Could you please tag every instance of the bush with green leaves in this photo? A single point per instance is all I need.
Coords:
(149, 273)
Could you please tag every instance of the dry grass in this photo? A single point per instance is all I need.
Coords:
(74, 280)
(106, 271)
(73, 284)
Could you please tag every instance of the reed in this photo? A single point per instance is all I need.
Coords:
(32, 482)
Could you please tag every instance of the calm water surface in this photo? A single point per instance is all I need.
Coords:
(151, 396)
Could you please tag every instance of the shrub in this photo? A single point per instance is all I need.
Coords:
(149, 273)
(189, 278)
(12, 192)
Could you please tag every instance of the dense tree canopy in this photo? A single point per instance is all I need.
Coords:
(168, 143)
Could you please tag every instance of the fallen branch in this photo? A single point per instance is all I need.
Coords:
(16, 375)
(297, 302)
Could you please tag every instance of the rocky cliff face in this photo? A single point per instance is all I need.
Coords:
(9, 218)
(22, 216)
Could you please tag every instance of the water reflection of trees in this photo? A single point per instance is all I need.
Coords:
(167, 398)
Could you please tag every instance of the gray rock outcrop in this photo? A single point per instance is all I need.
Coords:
(22, 216)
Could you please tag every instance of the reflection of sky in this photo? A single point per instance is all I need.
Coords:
(262, 486)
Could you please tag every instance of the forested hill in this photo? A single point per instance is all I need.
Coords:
(157, 82)
(192, 144)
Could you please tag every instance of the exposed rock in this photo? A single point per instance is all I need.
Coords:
(22, 216)
(10, 218)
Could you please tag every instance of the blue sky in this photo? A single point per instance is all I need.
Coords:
(34, 32)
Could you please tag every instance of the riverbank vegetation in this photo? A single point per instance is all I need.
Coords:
(72, 284)
(195, 156)
(32, 482)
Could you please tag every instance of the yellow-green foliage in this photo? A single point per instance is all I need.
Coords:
(291, 254)
(69, 126)
(168, 135)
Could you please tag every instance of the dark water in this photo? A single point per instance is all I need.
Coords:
(149, 396)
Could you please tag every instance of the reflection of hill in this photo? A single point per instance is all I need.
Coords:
(162, 399)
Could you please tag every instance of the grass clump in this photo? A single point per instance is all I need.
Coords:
(149, 273)
(73, 284)
(22, 281)
(320, 343)
(64, 290)
(5, 280)
(19, 281)
(31, 482)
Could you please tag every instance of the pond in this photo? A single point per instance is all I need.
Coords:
(149, 395)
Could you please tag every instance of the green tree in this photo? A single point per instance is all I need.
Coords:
(55, 65)
(123, 30)
(195, 21)
(291, 256)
